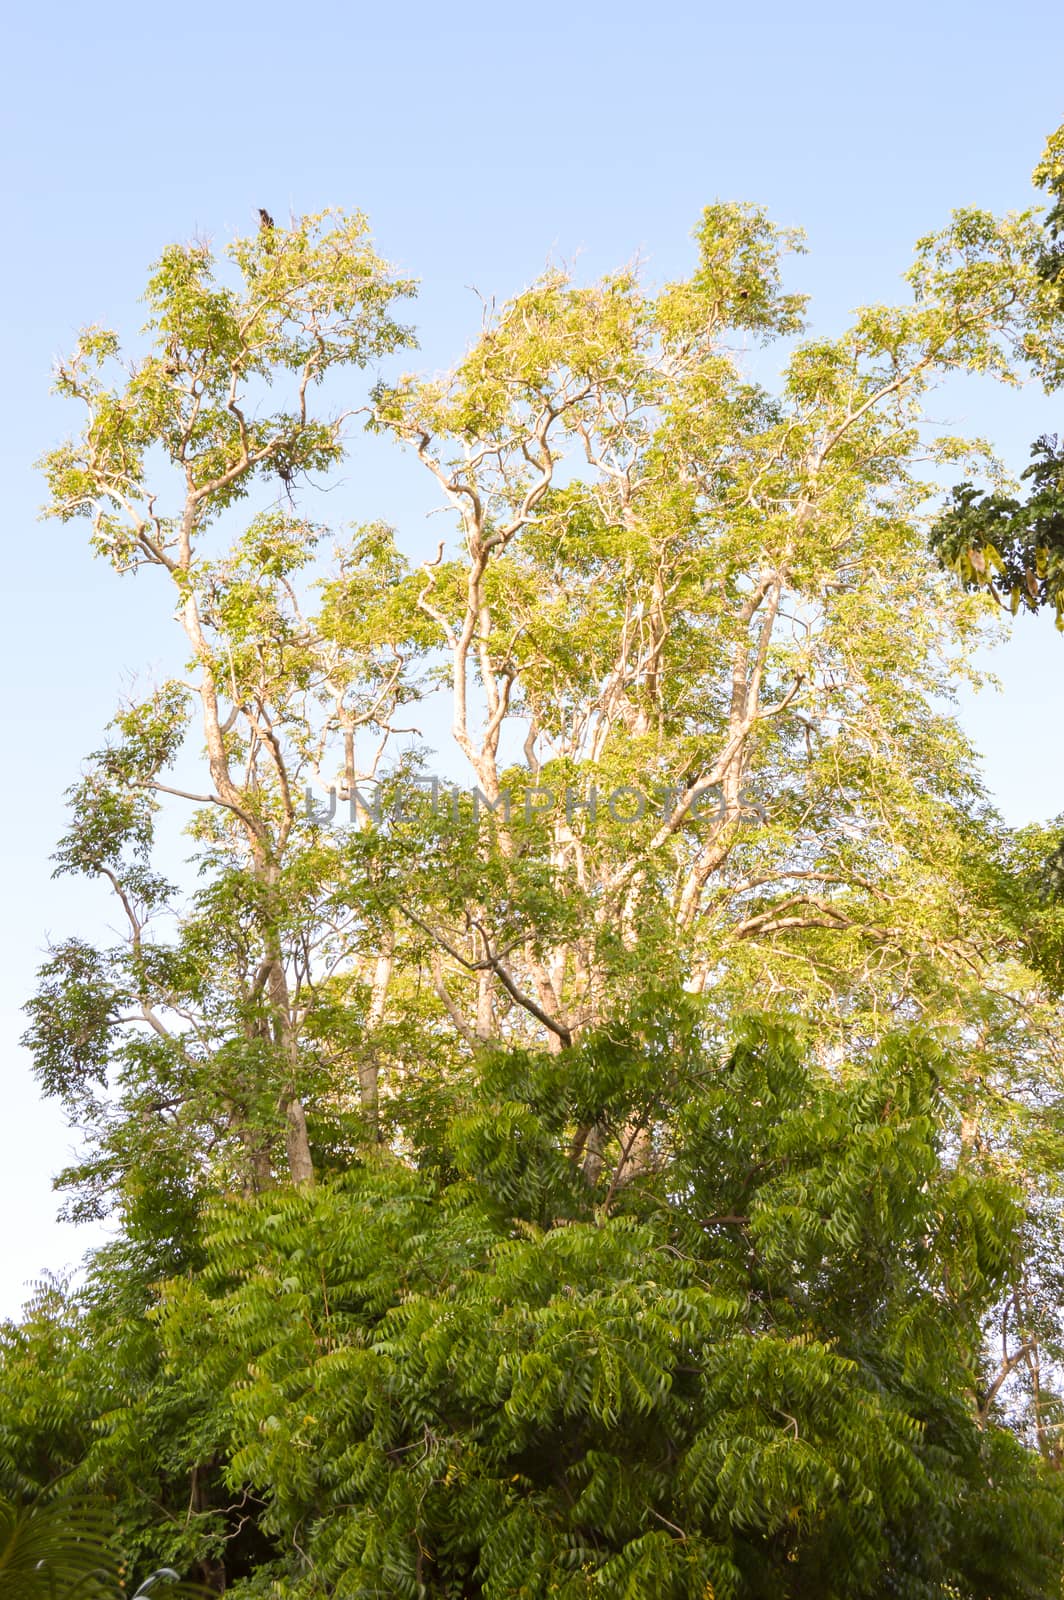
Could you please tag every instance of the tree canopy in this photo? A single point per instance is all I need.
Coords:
(619, 1154)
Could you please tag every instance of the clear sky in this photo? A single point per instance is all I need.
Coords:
(480, 140)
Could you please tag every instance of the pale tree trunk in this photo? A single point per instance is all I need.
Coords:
(297, 1142)
(369, 1064)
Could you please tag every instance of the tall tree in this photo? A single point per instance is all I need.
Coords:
(695, 650)
(308, 304)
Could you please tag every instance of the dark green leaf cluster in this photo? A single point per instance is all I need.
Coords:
(1013, 547)
(743, 1368)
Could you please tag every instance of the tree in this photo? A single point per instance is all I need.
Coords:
(733, 1376)
(701, 618)
(1013, 547)
(993, 540)
(313, 301)
(443, 1152)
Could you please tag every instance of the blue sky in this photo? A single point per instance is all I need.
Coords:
(480, 142)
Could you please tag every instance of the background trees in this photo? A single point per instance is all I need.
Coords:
(602, 1179)
(994, 540)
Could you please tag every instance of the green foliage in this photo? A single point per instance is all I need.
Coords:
(993, 540)
(310, 300)
(63, 1550)
(745, 1369)
(55, 1551)
(1013, 547)
(488, 1224)
(1049, 175)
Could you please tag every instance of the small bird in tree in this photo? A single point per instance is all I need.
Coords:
(266, 222)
